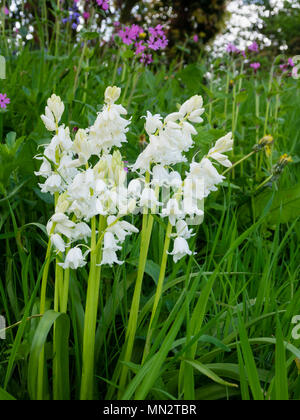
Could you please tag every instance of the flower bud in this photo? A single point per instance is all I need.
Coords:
(112, 94)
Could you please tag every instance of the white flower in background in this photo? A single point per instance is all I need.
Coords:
(58, 242)
(183, 230)
(181, 249)
(153, 123)
(223, 145)
(74, 259)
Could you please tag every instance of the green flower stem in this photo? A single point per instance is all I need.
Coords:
(257, 126)
(227, 93)
(90, 319)
(146, 233)
(264, 182)
(57, 27)
(116, 68)
(65, 294)
(159, 289)
(40, 373)
(79, 68)
(239, 162)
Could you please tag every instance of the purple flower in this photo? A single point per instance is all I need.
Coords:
(104, 4)
(86, 15)
(140, 47)
(291, 62)
(146, 59)
(156, 44)
(231, 48)
(157, 31)
(126, 36)
(196, 38)
(255, 66)
(4, 100)
(254, 47)
(73, 17)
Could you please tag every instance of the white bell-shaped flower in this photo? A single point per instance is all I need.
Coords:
(109, 257)
(74, 259)
(181, 249)
(183, 230)
(58, 242)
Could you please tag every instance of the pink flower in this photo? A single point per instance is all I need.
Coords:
(104, 4)
(231, 48)
(4, 101)
(157, 31)
(6, 11)
(140, 47)
(255, 66)
(156, 44)
(86, 15)
(254, 47)
(126, 36)
(291, 62)
(195, 38)
(146, 59)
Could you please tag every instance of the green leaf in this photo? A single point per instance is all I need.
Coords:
(241, 97)
(209, 373)
(250, 366)
(284, 209)
(281, 374)
(88, 36)
(5, 396)
(62, 327)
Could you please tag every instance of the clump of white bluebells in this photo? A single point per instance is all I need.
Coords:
(83, 190)
(183, 201)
